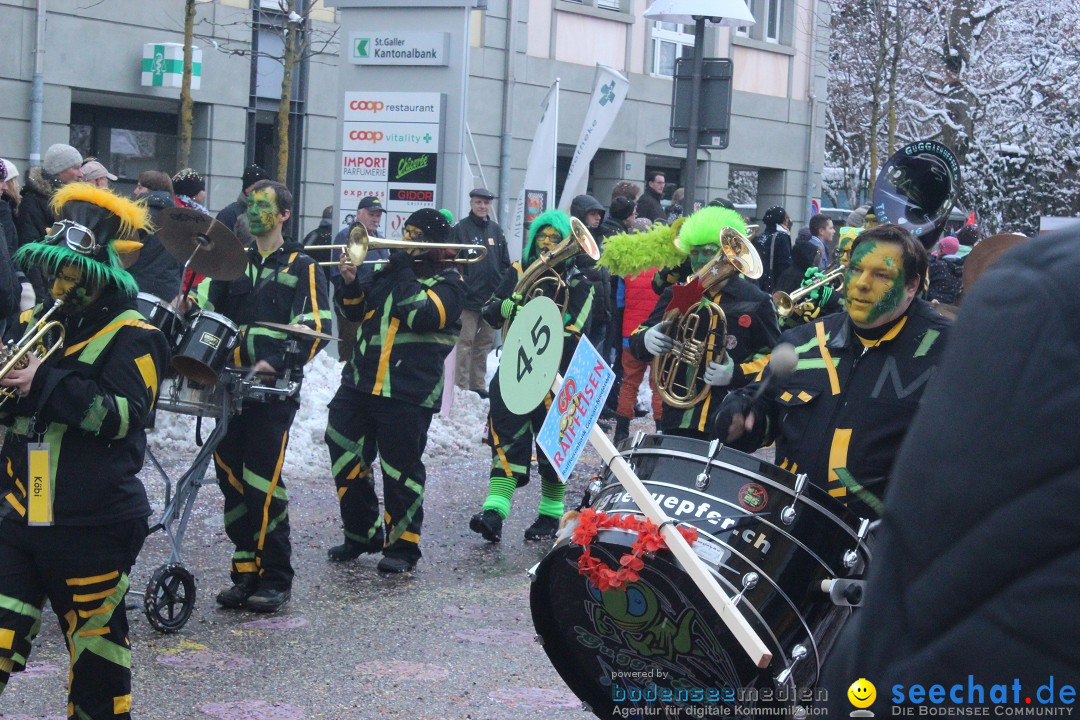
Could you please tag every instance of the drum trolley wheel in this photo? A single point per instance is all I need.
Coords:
(169, 598)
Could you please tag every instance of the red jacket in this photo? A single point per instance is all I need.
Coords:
(640, 300)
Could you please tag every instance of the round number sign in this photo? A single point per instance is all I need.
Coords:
(530, 355)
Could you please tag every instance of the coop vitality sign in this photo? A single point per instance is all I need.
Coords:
(399, 48)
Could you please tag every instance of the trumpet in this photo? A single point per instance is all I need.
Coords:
(16, 357)
(356, 249)
(786, 303)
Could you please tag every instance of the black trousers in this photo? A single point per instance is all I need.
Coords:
(513, 438)
(248, 463)
(83, 571)
(359, 427)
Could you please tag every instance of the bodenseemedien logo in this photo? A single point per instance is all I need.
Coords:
(862, 694)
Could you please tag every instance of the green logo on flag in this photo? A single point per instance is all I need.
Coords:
(607, 93)
(362, 47)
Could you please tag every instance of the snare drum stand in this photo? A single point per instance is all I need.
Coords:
(170, 594)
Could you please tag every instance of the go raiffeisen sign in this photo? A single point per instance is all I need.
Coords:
(399, 48)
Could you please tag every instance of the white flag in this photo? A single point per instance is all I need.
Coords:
(538, 191)
(609, 92)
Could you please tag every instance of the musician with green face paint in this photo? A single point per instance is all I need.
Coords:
(841, 416)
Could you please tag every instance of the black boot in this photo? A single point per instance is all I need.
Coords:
(351, 549)
(544, 527)
(622, 430)
(237, 596)
(489, 524)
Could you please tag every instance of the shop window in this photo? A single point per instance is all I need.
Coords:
(126, 141)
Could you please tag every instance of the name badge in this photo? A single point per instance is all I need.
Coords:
(40, 488)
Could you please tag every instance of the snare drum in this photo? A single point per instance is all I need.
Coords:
(205, 347)
(163, 316)
(658, 641)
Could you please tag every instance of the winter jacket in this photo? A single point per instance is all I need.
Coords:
(609, 226)
(321, 235)
(89, 403)
(285, 287)
(408, 325)
(638, 300)
(976, 568)
(10, 277)
(8, 231)
(946, 279)
(35, 218)
(600, 278)
(481, 278)
(649, 206)
(231, 213)
(841, 416)
(751, 334)
(156, 271)
(774, 247)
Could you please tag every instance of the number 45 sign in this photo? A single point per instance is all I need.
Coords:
(531, 355)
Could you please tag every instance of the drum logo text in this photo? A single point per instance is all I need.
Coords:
(753, 497)
(209, 340)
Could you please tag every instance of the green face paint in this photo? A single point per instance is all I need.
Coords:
(875, 284)
(262, 211)
(700, 255)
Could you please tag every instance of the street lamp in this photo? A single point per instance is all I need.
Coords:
(728, 13)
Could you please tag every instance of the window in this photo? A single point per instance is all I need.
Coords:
(772, 21)
(743, 31)
(670, 42)
(609, 4)
(126, 141)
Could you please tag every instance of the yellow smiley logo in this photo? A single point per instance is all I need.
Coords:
(862, 693)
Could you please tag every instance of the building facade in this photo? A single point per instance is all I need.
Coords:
(92, 64)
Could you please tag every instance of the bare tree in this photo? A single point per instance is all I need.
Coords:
(301, 40)
(186, 114)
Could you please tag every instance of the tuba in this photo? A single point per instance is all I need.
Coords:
(542, 275)
(915, 189)
(700, 334)
(16, 357)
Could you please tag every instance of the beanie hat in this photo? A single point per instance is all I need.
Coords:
(93, 225)
(948, 245)
(622, 208)
(254, 174)
(60, 157)
(10, 171)
(188, 182)
(431, 223)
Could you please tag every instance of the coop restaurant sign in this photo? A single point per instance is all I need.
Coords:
(399, 48)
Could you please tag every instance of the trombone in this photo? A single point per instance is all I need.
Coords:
(786, 303)
(16, 357)
(359, 244)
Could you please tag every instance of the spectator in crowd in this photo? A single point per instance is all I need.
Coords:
(10, 286)
(97, 174)
(481, 280)
(626, 189)
(190, 190)
(153, 181)
(156, 271)
(9, 211)
(774, 247)
(650, 203)
(61, 165)
(322, 235)
(821, 234)
(635, 301)
(236, 211)
(946, 272)
(588, 210)
(968, 236)
(676, 210)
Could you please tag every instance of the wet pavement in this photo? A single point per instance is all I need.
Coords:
(454, 639)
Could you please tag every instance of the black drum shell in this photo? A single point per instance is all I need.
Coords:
(587, 639)
(163, 316)
(205, 348)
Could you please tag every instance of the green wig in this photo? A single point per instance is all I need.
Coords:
(628, 254)
(704, 226)
(556, 219)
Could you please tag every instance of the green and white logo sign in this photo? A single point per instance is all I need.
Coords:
(163, 65)
(399, 48)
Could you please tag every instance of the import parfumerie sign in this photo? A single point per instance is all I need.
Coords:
(399, 48)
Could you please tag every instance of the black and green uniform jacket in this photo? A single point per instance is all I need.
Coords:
(285, 287)
(578, 306)
(408, 325)
(89, 402)
(752, 332)
(841, 416)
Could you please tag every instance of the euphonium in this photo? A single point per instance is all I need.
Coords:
(16, 357)
(786, 303)
(700, 334)
(542, 271)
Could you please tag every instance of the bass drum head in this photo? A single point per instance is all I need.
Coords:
(644, 646)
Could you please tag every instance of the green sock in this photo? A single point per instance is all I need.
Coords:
(500, 494)
(551, 498)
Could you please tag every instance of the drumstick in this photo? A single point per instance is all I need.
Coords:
(782, 363)
(751, 642)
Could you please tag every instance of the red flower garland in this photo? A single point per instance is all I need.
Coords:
(591, 522)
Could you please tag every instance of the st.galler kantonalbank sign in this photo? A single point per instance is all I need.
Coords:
(399, 48)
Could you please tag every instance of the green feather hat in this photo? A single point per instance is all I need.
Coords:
(94, 226)
(628, 254)
(704, 226)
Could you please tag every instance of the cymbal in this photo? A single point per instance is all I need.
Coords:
(298, 330)
(221, 255)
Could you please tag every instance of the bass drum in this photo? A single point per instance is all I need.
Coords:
(658, 642)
